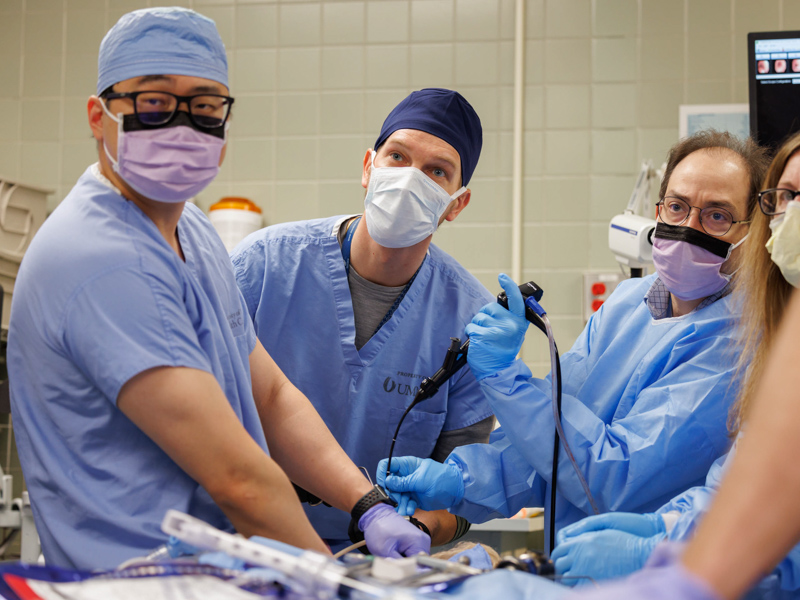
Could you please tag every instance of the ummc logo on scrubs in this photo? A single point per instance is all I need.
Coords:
(390, 386)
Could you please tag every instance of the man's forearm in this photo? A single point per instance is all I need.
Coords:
(265, 504)
(302, 445)
(298, 439)
(186, 413)
(441, 524)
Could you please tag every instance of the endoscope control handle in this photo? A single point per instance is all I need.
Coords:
(527, 290)
(455, 358)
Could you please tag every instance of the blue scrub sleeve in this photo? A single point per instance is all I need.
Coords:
(666, 440)
(124, 322)
(788, 570)
(498, 480)
(247, 261)
(249, 270)
(692, 504)
(249, 328)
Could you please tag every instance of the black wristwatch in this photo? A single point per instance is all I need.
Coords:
(375, 496)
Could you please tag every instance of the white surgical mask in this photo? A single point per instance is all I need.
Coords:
(403, 205)
(784, 244)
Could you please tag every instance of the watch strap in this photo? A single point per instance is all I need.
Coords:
(375, 496)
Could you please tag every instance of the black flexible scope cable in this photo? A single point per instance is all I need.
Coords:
(455, 359)
(396, 431)
(556, 447)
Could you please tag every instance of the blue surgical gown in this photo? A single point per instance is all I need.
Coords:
(644, 406)
(693, 504)
(293, 279)
(101, 297)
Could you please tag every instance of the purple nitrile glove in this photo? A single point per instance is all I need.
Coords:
(390, 535)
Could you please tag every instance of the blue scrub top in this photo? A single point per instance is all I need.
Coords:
(294, 281)
(644, 403)
(101, 297)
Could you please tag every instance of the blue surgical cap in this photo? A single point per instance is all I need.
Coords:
(161, 41)
(445, 114)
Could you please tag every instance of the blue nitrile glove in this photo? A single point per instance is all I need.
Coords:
(646, 525)
(603, 554)
(421, 482)
(655, 582)
(390, 535)
(496, 334)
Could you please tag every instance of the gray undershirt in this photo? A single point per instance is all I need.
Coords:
(371, 302)
(477, 433)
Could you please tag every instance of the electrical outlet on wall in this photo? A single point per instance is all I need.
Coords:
(597, 287)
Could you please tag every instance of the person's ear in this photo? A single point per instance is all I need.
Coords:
(365, 168)
(94, 109)
(457, 205)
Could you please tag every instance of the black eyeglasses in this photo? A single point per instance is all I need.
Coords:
(774, 201)
(714, 220)
(158, 108)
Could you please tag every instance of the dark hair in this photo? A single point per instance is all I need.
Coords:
(753, 156)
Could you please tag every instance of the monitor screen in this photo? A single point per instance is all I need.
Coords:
(774, 67)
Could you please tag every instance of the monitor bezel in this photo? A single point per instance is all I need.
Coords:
(752, 37)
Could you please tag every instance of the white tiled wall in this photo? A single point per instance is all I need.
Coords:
(313, 81)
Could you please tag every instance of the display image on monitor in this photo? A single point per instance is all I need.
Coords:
(774, 68)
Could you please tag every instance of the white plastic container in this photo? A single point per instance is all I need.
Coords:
(234, 219)
(23, 209)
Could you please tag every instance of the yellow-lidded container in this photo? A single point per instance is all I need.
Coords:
(235, 218)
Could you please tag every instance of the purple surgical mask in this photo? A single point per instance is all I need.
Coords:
(688, 261)
(170, 163)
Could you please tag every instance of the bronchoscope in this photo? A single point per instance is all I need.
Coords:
(456, 357)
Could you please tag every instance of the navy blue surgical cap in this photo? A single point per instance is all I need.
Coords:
(161, 41)
(445, 114)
